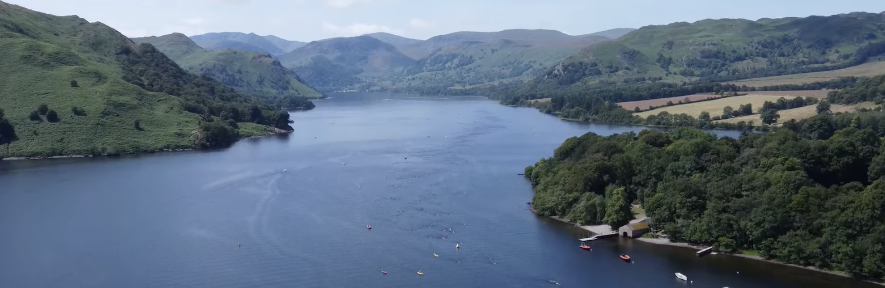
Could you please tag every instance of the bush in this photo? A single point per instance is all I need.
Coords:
(51, 116)
(74, 83)
(137, 125)
(78, 111)
(43, 109)
(34, 116)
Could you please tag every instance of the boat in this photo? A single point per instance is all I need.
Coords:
(457, 247)
(384, 272)
(420, 273)
(369, 227)
(435, 255)
(625, 257)
(681, 276)
(584, 246)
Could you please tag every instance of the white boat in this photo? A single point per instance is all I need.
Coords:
(681, 276)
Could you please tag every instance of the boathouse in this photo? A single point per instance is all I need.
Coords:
(633, 230)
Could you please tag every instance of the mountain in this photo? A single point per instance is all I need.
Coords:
(531, 37)
(726, 49)
(612, 33)
(250, 73)
(338, 63)
(107, 95)
(285, 45)
(395, 40)
(237, 41)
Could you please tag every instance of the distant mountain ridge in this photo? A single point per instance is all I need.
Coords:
(246, 41)
(250, 73)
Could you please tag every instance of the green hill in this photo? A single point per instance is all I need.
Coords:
(340, 63)
(612, 33)
(285, 45)
(395, 40)
(108, 95)
(250, 73)
(237, 41)
(726, 49)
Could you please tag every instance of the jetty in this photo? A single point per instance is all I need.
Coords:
(705, 251)
(597, 237)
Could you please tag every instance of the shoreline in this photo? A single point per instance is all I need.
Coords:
(274, 133)
(667, 242)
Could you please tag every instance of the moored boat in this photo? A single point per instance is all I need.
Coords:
(681, 276)
(625, 257)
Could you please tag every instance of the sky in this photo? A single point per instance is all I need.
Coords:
(308, 20)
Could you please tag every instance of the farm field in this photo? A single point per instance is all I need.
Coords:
(644, 104)
(714, 107)
(801, 113)
(864, 70)
(820, 94)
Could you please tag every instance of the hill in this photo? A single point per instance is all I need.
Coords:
(250, 73)
(395, 40)
(237, 41)
(107, 95)
(285, 45)
(336, 63)
(612, 33)
(726, 49)
(523, 36)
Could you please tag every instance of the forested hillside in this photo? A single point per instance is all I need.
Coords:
(811, 193)
(727, 49)
(250, 73)
(74, 87)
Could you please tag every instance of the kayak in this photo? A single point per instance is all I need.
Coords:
(681, 276)
(625, 257)
(584, 246)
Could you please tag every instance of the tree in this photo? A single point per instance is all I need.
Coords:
(669, 103)
(705, 116)
(51, 116)
(74, 83)
(823, 107)
(137, 125)
(281, 121)
(727, 112)
(636, 109)
(43, 109)
(617, 210)
(34, 116)
(746, 109)
(770, 116)
(7, 132)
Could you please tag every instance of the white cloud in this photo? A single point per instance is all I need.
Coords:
(419, 23)
(357, 29)
(345, 3)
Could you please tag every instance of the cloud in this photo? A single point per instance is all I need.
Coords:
(419, 23)
(345, 3)
(357, 29)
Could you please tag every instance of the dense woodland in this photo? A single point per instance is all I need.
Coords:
(810, 193)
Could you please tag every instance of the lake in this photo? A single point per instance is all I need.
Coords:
(426, 173)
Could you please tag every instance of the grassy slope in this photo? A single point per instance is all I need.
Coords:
(43, 53)
(250, 73)
(729, 47)
(864, 70)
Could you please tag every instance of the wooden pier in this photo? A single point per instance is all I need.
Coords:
(705, 251)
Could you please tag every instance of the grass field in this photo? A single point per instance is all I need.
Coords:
(801, 113)
(714, 107)
(864, 70)
(644, 104)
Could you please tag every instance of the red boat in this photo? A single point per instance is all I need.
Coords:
(384, 272)
(625, 257)
(369, 227)
(584, 246)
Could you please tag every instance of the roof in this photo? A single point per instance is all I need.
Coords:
(639, 226)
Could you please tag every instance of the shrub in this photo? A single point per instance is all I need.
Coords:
(34, 116)
(78, 111)
(74, 83)
(137, 125)
(43, 109)
(51, 116)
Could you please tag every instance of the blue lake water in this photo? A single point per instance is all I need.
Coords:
(426, 173)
